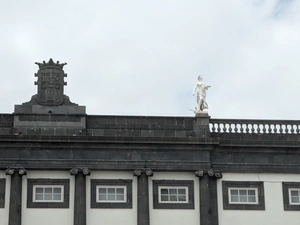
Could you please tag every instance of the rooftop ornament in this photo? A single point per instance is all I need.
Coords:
(201, 97)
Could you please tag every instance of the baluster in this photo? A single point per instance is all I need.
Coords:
(213, 129)
(269, 129)
(258, 128)
(219, 128)
(230, 128)
(292, 129)
(242, 129)
(275, 129)
(247, 128)
(252, 128)
(235, 128)
(297, 129)
(264, 128)
(224, 127)
(280, 129)
(286, 128)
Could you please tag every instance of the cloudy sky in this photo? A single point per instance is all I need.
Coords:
(136, 57)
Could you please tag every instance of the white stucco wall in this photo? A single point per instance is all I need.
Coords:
(174, 216)
(274, 212)
(47, 216)
(96, 216)
(4, 211)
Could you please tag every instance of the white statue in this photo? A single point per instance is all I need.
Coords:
(201, 96)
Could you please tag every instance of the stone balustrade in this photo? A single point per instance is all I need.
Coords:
(254, 126)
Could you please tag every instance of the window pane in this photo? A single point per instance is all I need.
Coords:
(243, 198)
(120, 197)
(38, 196)
(182, 198)
(39, 190)
(111, 190)
(102, 190)
(181, 191)
(173, 191)
(164, 191)
(234, 192)
(48, 197)
(234, 198)
(164, 198)
(243, 192)
(56, 197)
(295, 199)
(251, 192)
(120, 190)
(294, 193)
(56, 190)
(173, 198)
(251, 199)
(102, 197)
(111, 197)
(48, 190)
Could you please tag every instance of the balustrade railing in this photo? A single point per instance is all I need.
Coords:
(254, 126)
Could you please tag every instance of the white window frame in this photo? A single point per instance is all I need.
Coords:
(110, 186)
(47, 186)
(290, 196)
(173, 187)
(246, 189)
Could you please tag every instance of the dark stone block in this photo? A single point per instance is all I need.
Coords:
(158, 133)
(147, 133)
(180, 133)
(169, 133)
(47, 131)
(134, 133)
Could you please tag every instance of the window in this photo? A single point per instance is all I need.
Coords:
(111, 193)
(173, 194)
(243, 195)
(294, 196)
(48, 193)
(2, 193)
(107, 193)
(291, 196)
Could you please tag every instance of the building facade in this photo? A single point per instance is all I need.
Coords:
(59, 165)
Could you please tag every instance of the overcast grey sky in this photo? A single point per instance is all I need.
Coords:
(137, 57)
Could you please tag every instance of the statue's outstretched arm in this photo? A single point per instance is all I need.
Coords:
(206, 87)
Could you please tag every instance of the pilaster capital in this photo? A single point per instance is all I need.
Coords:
(147, 171)
(20, 170)
(209, 172)
(84, 170)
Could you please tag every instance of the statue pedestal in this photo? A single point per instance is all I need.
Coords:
(202, 125)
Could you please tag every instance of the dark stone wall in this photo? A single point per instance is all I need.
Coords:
(137, 126)
(6, 124)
